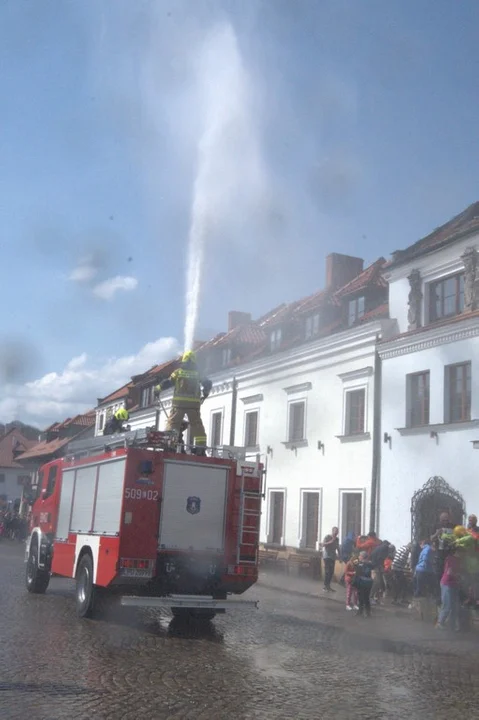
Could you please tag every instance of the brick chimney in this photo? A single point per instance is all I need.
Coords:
(236, 318)
(341, 269)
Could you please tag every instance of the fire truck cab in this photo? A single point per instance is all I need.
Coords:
(128, 517)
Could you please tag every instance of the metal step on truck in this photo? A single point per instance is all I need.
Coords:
(130, 518)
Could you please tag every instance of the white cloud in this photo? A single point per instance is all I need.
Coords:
(75, 389)
(107, 289)
(85, 271)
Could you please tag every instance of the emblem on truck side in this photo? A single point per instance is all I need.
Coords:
(193, 505)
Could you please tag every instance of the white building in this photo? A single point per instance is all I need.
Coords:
(430, 382)
(298, 387)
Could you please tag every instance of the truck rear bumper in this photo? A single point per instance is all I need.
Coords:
(188, 601)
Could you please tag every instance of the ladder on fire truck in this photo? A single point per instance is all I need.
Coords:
(248, 534)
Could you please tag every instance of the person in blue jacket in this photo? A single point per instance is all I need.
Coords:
(424, 572)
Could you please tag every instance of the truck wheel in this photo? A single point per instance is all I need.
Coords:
(36, 579)
(85, 590)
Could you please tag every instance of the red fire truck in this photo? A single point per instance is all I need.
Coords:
(128, 516)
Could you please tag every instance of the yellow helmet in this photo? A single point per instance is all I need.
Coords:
(189, 356)
(122, 414)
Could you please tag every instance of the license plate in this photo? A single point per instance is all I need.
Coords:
(136, 572)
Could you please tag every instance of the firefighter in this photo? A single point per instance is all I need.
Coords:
(115, 423)
(187, 398)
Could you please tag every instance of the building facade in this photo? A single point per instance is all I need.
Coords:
(430, 382)
(13, 477)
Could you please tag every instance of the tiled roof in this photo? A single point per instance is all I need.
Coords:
(278, 316)
(211, 343)
(371, 276)
(271, 315)
(84, 420)
(382, 311)
(56, 426)
(8, 443)
(312, 302)
(117, 394)
(44, 448)
(459, 226)
(250, 334)
(156, 369)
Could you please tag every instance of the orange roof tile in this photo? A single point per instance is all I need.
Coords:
(372, 275)
(459, 226)
(117, 394)
(11, 441)
(45, 448)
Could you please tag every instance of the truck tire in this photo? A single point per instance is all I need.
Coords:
(85, 590)
(36, 579)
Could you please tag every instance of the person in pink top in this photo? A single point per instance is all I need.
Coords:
(450, 582)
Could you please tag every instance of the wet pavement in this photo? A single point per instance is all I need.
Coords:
(296, 657)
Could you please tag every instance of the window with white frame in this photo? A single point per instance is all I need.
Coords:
(312, 325)
(310, 519)
(101, 421)
(296, 421)
(226, 356)
(446, 297)
(417, 399)
(275, 339)
(147, 396)
(251, 428)
(457, 392)
(276, 517)
(216, 428)
(355, 417)
(351, 512)
(356, 309)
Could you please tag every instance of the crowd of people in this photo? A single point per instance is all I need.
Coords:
(13, 526)
(442, 568)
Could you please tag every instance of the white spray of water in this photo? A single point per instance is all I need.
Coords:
(229, 170)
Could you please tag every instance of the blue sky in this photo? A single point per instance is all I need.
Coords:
(366, 118)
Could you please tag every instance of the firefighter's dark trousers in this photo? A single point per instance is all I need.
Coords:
(175, 419)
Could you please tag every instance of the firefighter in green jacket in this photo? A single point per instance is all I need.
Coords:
(115, 423)
(187, 398)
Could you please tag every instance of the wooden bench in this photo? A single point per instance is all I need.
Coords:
(267, 557)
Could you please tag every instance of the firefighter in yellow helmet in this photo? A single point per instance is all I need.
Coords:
(187, 398)
(115, 423)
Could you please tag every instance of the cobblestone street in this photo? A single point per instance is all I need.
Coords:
(296, 657)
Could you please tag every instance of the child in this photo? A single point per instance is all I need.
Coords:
(351, 590)
(363, 582)
(450, 581)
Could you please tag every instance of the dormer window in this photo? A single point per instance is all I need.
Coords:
(275, 339)
(312, 326)
(446, 297)
(226, 356)
(355, 310)
(147, 396)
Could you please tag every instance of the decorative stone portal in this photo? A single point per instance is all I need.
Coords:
(435, 497)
